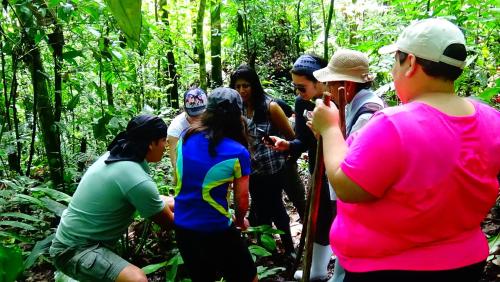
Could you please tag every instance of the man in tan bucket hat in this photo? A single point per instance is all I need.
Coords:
(350, 69)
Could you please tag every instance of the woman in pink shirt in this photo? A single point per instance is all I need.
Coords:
(415, 183)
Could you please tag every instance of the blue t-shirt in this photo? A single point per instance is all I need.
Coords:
(202, 192)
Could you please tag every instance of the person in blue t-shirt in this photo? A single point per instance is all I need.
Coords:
(212, 159)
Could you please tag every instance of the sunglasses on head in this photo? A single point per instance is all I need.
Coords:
(300, 88)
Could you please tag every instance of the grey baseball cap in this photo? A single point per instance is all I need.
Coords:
(225, 100)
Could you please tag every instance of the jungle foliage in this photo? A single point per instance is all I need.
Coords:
(73, 72)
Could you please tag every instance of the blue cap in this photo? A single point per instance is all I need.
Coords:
(306, 64)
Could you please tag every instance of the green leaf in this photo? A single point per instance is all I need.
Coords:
(94, 31)
(11, 263)
(40, 248)
(148, 269)
(73, 102)
(54, 194)
(61, 277)
(268, 242)
(489, 93)
(11, 235)
(264, 271)
(100, 129)
(72, 54)
(128, 16)
(17, 224)
(26, 198)
(258, 251)
(53, 206)
(174, 262)
(117, 54)
(20, 215)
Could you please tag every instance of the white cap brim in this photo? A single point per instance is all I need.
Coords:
(388, 49)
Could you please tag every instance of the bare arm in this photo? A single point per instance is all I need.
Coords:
(280, 121)
(172, 153)
(165, 218)
(326, 122)
(240, 186)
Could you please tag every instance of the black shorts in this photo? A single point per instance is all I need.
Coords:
(208, 256)
(470, 273)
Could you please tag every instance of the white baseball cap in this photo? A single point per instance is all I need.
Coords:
(427, 39)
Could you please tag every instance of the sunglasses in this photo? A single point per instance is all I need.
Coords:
(300, 88)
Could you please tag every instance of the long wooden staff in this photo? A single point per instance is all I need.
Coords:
(319, 170)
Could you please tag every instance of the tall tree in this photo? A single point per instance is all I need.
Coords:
(328, 24)
(215, 42)
(56, 41)
(299, 29)
(200, 48)
(39, 79)
(172, 85)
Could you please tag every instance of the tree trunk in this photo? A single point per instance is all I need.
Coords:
(215, 43)
(4, 111)
(33, 134)
(56, 41)
(200, 45)
(173, 80)
(328, 24)
(50, 130)
(107, 81)
(158, 62)
(15, 158)
(83, 150)
(297, 33)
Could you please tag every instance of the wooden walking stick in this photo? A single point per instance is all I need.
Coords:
(319, 170)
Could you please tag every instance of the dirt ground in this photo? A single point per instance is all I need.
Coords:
(491, 227)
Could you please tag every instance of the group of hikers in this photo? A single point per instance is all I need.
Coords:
(402, 198)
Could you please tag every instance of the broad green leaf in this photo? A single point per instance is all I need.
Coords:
(54, 194)
(148, 269)
(494, 244)
(99, 128)
(72, 54)
(17, 224)
(264, 271)
(128, 16)
(12, 235)
(40, 248)
(94, 31)
(61, 277)
(26, 198)
(174, 262)
(258, 251)
(268, 242)
(11, 263)
(53, 206)
(117, 54)
(488, 94)
(73, 102)
(20, 215)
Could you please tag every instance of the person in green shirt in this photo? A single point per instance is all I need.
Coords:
(104, 203)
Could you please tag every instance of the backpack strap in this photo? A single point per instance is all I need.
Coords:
(368, 108)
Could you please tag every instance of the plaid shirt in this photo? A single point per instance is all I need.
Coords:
(265, 161)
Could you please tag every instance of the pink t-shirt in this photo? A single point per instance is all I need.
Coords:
(436, 179)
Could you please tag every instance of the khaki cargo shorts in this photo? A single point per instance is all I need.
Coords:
(90, 263)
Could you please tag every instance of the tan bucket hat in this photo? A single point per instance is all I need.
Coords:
(346, 65)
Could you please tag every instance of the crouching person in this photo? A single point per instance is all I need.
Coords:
(103, 205)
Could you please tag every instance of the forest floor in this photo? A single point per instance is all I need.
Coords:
(161, 243)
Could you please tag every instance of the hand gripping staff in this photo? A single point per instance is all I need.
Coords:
(314, 192)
